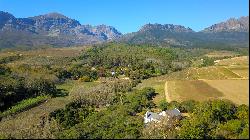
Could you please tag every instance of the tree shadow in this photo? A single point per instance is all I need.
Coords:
(61, 93)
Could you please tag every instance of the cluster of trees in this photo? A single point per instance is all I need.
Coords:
(107, 60)
(134, 61)
(214, 119)
(14, 88)
(184, 106)
(207, 61)
(124, 119)
(80, 119)
(110, 91)
(75, 72)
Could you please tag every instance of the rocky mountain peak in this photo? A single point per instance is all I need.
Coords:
(5, 17)
(240, 25)
(53, 15)
(54, 25)
(165, 27)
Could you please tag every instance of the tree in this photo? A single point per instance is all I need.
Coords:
(229, 130)
(163, 105)
(188, 106)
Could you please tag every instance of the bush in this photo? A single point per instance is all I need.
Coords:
(207, 62)
(163, 105)
(188, 106)
(84, 79)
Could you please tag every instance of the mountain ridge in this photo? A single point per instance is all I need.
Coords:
(59, 30)
(232, 24)
(232, 31)
(65, 31)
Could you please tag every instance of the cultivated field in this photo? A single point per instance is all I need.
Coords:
(236, 61)
(241, 71)
(228, 79)
(191, 89)
(211, 72)
(234, 90)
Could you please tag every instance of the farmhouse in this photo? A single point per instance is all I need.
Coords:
(150, 116)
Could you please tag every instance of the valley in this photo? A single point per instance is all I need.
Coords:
(226, 79)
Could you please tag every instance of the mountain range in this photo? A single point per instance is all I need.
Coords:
(51, 29)
(58, 30)
(232, 31)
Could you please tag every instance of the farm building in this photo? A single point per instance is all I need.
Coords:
(150, 116)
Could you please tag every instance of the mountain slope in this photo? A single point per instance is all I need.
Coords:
(51, 29)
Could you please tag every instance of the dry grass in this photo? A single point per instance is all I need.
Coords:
(212, 73)
(221, 54)
(242, 61)
(50, 52)
(234, 90)
(242, 71)
(191, 89)
(225, 80)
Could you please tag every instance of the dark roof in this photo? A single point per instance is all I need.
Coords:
(174, 112)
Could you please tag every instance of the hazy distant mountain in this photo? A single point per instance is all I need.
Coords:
(232, 25)
(51, 29)
(233, 32)
(157, 33)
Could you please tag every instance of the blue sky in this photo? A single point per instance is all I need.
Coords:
(130, 15)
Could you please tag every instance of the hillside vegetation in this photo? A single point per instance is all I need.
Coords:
(103, 91)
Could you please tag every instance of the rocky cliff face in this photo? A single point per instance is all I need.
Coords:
(165, 27)
(56, 26)
(231, 25)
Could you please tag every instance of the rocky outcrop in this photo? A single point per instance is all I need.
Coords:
(231, 25)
